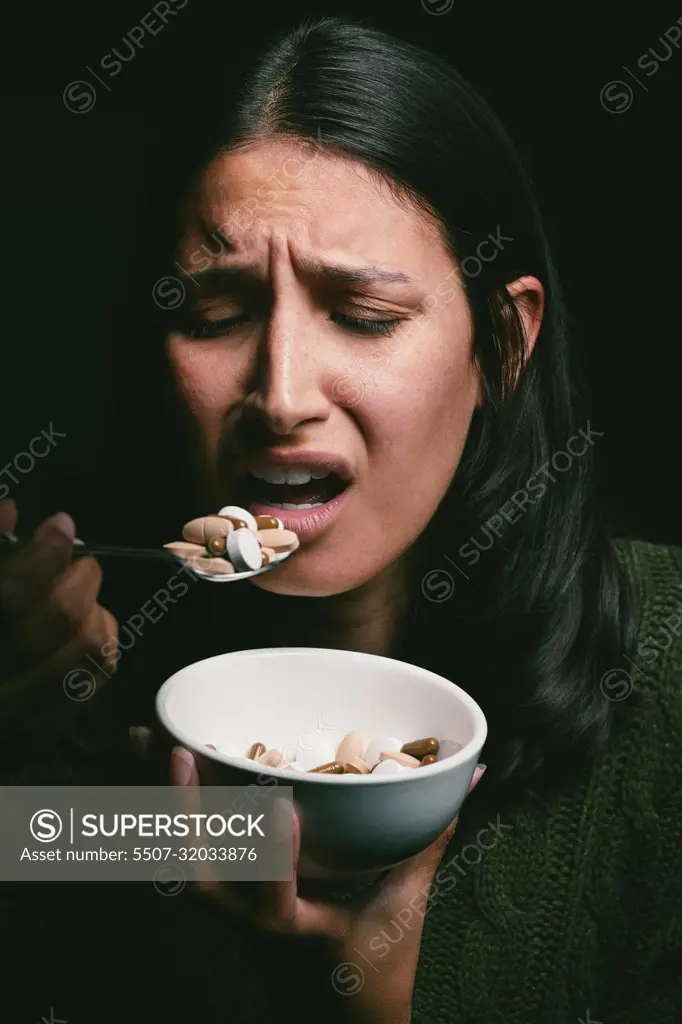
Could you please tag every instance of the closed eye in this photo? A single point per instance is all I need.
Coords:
(207, 329)
(364, 326)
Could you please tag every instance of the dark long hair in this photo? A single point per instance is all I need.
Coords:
(516, 589)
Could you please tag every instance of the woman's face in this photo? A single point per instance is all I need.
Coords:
(325, 351)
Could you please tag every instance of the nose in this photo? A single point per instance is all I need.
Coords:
(289, 388)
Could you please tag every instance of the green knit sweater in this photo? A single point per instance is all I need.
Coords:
(573, 910)
(557, 912)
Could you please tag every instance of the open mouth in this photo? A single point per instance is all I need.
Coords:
(294, 488)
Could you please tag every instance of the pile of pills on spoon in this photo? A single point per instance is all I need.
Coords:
(233, 541)
(383, 755)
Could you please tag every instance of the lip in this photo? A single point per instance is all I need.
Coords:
(301, 457)
(307, 523)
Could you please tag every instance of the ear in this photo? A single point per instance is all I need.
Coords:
(529, 299)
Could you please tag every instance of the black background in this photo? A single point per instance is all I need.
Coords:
(609, 182)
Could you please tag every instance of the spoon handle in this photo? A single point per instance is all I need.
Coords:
(9, 542)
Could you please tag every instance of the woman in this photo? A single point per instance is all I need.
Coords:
(366, 337)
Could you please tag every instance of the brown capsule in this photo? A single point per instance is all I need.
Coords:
(269, 523)
(429, 759)
(401, 758)
(418, 748)
(330, 768)
(255, 751)
(238, 524)
(217, 545)
(356, 766)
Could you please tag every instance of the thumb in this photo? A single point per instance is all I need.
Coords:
(8, 516)
(475, 779)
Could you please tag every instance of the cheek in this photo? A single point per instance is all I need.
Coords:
(202, 381)
(421, 409)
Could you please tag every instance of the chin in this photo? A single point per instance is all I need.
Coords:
(301, 581)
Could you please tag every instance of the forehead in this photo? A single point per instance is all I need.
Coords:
(317, 202)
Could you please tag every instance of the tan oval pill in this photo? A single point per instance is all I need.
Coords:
(404, 759)
(200, 531)
(193, 531)
(186, 550)
(418, 748)
(255, 751)
(278, 540)
(350, 747)
(330, 768)
(216, 526)
(429, 759)
(271, 758)
(218, 566)
(269, 523)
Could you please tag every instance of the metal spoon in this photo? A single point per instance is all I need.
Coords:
(9, 542)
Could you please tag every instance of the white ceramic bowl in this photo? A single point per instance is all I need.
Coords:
(299, 700)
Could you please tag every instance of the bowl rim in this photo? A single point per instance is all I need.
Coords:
(476, 743)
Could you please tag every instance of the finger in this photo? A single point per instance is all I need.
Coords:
(475, 779)
(184, 772)
(8, 516)
(59, 614)
(266, 906)
(141, 740)
(282, 910)
(150, 758)
(29, 572)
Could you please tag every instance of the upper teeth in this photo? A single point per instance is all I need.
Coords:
(294, 475)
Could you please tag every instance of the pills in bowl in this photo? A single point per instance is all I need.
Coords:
(233, 541)
(381, 755)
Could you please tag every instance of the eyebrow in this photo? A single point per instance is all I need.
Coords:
(356, 275)
(215, 276)
(338, 272)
